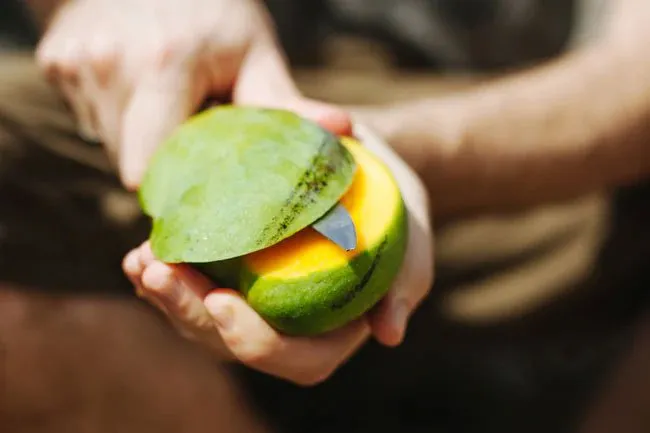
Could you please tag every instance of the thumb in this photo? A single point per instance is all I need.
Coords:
(265, 80)
(160, 102)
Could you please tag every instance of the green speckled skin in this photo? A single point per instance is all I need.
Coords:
(234, 180)
(326, 300)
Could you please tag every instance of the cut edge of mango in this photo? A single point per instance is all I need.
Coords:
(373, 201)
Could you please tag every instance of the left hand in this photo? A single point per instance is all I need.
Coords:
(133, 70)
(221, 320)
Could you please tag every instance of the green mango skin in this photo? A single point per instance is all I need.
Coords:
(234, 180)
(326, 300)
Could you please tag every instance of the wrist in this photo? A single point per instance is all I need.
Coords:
(428, 135)
(422, 132)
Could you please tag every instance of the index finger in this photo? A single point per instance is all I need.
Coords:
(161, 100)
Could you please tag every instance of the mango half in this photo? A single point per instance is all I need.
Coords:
(232, 180)
(305, 284)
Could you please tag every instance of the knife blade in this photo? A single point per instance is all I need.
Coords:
(337, 226)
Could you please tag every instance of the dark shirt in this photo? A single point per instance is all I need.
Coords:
(448, 34)
(16, 29)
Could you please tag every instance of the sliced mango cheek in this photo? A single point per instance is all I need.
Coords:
(372, 201)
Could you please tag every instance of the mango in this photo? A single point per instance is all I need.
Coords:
(306, 285)
(302, 284)
(233, 180)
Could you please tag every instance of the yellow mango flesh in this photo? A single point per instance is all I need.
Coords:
(372, 201)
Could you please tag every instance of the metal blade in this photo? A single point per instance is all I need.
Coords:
(337, 226)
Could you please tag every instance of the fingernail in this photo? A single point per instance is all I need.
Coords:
(220, 310)
(399, 317)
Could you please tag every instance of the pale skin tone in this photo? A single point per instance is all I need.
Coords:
(130, 88)
(579, 124)
(573, 126)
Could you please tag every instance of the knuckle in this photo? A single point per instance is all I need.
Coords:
(251, 349)
(192, 311)
(252, 352)
(203, 323)
(160, 56)
(67, 64)
(186, 333)
(67, 70)
(235, 343)
(103, 54)
(53, 63)
(171, 50)
(129, 265)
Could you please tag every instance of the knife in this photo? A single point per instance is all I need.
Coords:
(337, 226)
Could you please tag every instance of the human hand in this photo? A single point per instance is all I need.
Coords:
(221, 320)
(133, 70)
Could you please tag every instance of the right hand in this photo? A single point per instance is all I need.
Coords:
(221, 321)
(133, 70)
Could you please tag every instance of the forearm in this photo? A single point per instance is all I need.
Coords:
(577, 125)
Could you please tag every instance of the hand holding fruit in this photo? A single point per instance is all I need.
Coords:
(133, 70)
(224, 321)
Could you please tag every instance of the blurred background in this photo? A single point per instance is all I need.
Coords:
(376, 51)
